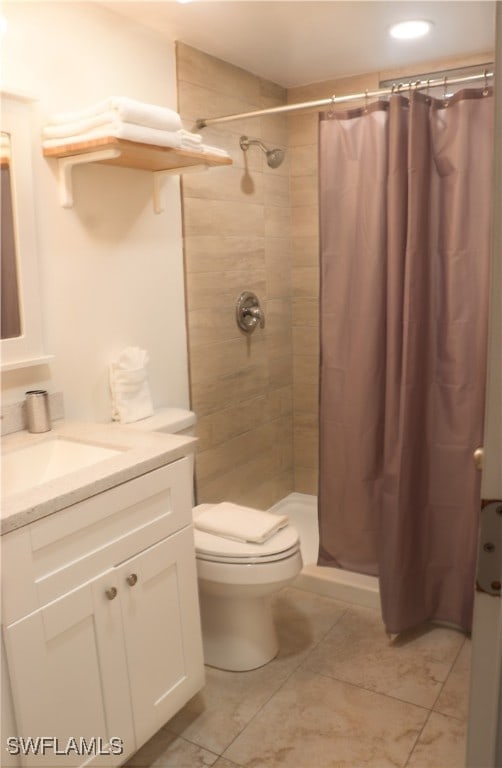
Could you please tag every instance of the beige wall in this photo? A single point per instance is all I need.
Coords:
(237, 237)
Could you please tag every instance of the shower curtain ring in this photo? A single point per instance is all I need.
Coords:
(485, 90)
(330, 110)
(366, 100)
(445, 83)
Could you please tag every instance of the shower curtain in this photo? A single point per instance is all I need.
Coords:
(405, 191)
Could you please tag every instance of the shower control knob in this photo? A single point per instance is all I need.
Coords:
(248, 312)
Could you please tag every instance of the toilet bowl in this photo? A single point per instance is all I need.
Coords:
(236, 579)
(236, 583)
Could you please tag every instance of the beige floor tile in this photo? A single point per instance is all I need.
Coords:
(441, 744)
(317, 722)
(230, 700)
(412, 668)
(302, 620)
(454, 698)
(165, 750)
(223, 763)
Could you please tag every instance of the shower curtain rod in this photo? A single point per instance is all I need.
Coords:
(417, 85)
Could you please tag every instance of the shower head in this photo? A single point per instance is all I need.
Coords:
(274, 156)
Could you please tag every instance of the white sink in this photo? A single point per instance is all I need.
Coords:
(28, 467)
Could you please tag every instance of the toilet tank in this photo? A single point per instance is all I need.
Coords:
(176, 421)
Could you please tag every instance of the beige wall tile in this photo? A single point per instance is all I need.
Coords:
(306, 440)
(304, 191)
(212, 290)
(305, 250)
(224, 357)
(227, 218)
(303, 128)
(194, 66)
(305, 222)
(206, 253)
(304, 160)
(306, 480)
(305, 312)
(276, 190)
(277, 221)
(306, 340)
(306, 282)
(225, 183)
(236, 388)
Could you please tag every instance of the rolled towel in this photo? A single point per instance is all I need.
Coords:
(121, 130)
(232, 521)
(129, 110)
(131, 399)
(190, 140)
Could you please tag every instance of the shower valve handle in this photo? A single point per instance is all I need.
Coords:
(248, 312)
(256, 313)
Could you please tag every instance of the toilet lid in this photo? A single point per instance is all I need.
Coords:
(282, 544)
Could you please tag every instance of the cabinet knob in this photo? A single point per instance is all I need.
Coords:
(132, 579)
(111, 593)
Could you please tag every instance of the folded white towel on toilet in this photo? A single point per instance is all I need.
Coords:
(131, 399)
(232, 521)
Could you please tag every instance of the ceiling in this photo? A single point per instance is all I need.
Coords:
(301, 42)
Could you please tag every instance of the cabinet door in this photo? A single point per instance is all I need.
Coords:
(69, 680)
(160, 610)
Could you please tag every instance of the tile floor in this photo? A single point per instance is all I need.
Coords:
(338, 695)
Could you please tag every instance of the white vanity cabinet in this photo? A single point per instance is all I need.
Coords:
(101, 620)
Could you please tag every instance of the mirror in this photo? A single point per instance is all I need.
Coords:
(10, 320)
(21, 327)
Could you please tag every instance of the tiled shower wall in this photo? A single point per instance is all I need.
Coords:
(237, 237)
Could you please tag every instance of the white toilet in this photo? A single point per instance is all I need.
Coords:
(236, 579)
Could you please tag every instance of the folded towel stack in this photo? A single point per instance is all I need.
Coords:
(123, 118)
(131, 399)
(231, 521)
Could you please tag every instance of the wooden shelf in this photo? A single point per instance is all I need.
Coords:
(128, 154)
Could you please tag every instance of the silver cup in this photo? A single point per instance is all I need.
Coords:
(37, 411)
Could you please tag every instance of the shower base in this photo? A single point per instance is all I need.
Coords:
(356, 588)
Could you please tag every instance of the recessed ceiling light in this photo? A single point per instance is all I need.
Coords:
(407, 30)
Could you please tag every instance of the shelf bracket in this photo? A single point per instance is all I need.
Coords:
(159, 176)
(66, 165)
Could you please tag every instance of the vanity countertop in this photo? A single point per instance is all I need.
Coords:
(138, 453)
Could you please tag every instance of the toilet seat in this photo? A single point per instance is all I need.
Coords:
(280, 546)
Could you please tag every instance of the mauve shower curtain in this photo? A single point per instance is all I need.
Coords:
(405, 203)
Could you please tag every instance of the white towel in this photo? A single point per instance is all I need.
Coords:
(208, 150)
(76, 127)
(131, 399)
(126, 109)
(121, 130)
(231, 521)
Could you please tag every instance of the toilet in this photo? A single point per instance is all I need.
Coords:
(237, 579)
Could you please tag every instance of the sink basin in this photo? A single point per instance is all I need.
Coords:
(28, 467)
